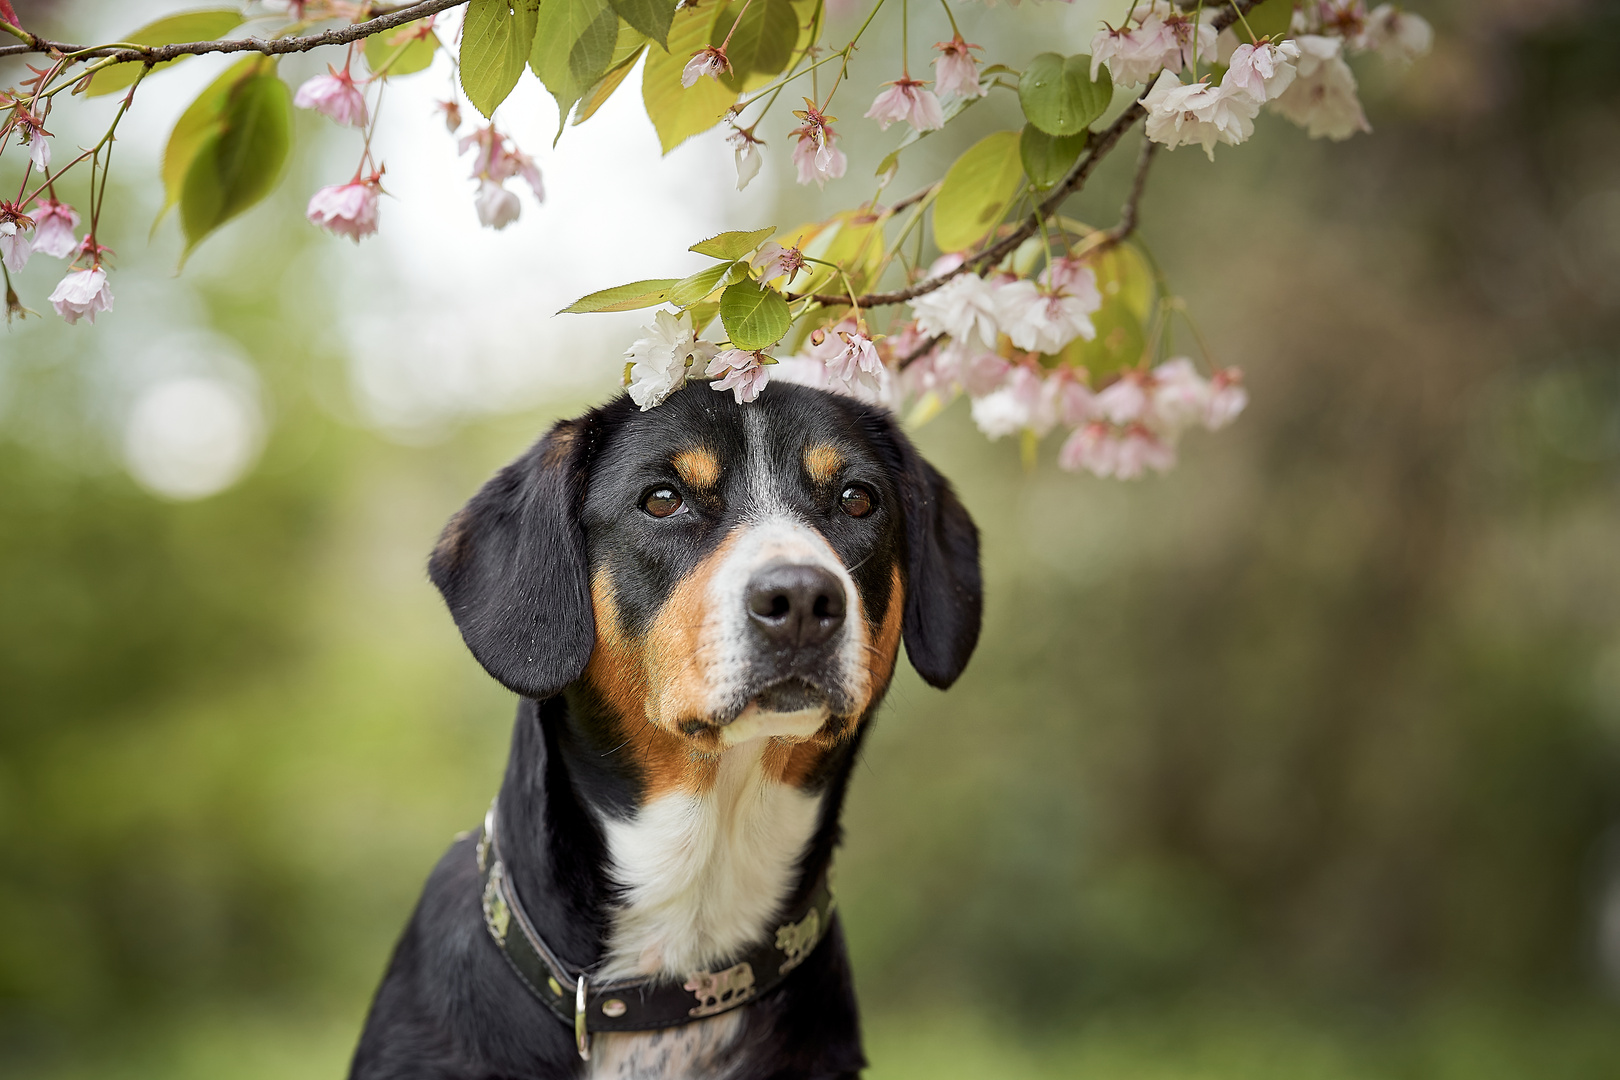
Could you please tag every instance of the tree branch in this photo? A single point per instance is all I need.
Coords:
(342, 35)
(1098, 147)
(1133, 202)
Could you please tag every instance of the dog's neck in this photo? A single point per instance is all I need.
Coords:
(664, 886)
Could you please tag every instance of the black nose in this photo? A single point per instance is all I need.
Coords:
(796, 606)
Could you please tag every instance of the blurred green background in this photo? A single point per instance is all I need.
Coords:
(1302, 761)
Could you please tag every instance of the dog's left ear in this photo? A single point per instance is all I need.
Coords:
(944, 590)
(511, 565)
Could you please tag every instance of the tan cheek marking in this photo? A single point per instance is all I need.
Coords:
(698, 467)
(679, 657)
(822, 462)
(618, 673)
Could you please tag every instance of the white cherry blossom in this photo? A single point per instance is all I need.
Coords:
(1042, 320)
(15, 246)
(54, 223)
(1180, 114)
(707, 62)
(82, 294)
(964, 308)
(1262, 71)
(659, 359)
(1322, 99)
(745, 148)
(1398, 36)
(1227, 398)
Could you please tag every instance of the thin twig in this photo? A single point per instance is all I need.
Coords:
(1128, 214)
(268, 46)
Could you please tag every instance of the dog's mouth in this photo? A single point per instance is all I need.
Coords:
(792, 708)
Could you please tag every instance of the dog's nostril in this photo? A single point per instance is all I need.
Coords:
(796, 605)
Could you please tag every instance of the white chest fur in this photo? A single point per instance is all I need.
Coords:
(702, 876)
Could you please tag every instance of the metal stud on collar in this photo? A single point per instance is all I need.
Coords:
(581, 1038)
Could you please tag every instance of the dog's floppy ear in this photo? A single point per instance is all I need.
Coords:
(511, 565)
(944, 591)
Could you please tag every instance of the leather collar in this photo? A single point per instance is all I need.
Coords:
(647, 1003)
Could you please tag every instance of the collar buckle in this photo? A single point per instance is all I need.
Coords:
(582, 1038)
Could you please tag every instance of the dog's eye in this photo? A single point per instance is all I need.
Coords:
(661, 502)
(856, 501)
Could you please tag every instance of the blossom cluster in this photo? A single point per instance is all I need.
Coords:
(1304, 78)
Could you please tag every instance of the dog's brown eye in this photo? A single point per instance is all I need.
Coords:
(662, 503)
(856, 501)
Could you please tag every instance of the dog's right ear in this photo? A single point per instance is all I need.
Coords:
(511, 565)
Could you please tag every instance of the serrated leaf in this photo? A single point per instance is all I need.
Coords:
(1271, 19)
(1048, 158)
(696, 286)
(201, 119)
(637, 294)
(404, 50)
(702, 315)
(754, 317)
(240, 162)
(731, 246)
(651, 18)
(976, 191)
(677, 112)
(597, 95)
(1058, 96)
(186, 26)
(573, 46)
(495, 42)
(762, 43)
(952, 110)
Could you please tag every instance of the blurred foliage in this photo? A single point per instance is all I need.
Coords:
(1302, 762)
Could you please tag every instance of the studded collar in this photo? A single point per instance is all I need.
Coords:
(646, 1003)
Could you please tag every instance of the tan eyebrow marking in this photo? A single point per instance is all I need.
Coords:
(822, 462)
(698, 467)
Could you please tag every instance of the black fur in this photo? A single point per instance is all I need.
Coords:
(514, 567)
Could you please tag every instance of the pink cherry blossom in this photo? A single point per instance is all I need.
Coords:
(497, 207)
(1322, 98)
(773, 261)
(908, 100)
(1179, 397)
(1075, 277)
(710, 61)
(452, 115)
(1043, 320)
(1094, 448)
(1021, 403)
(1398, 36)
(742, 372)
(334, 95)
(857, 361)
(1191, 38)
(815, 153)
(54, 223)
(1124, 400)
(82, 294)
(15, 245)
(500, 160)
(1141, 450)
(1262, 71)
(347, 209)
(1227, 398)
(1073, 400)
(1198, 113)
(955, 70)
(1133, 56)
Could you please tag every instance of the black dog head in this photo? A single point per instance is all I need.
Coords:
(717, 571)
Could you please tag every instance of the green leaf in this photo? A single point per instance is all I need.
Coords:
(731, 246)
(695, 287)
(755, 317)
(201, 119)
(400, 51)
(976, 191)
(1048, 158)
(597, 95)
(239, 163)
(1126, 285)
(677, 112)
(187, 26)
(495, 42)
(1271, 19)
(1058, 95)
(703, 315)
(573, 46)
(637, 294)
(651, 18)
(762, 44)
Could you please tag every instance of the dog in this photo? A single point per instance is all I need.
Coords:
(700, 607)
